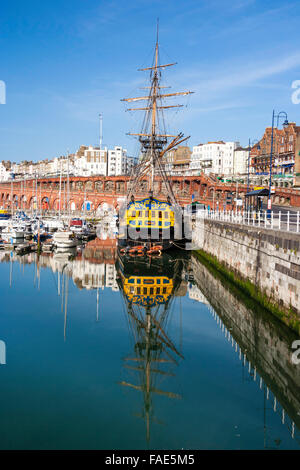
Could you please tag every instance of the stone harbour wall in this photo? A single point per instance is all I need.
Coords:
(266, 342)
(269, 259)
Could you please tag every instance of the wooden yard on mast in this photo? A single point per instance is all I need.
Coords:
(153, 139)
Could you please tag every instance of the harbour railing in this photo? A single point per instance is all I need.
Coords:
(286, 221)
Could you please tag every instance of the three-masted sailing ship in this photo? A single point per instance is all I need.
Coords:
(154, 223)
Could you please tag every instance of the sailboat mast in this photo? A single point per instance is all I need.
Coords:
(154, 105)
(153, 139)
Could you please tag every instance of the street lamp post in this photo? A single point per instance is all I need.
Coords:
(251, 144)
(282, 113)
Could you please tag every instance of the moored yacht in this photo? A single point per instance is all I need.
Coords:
(14, 232)
(64, 239)
(51, 225)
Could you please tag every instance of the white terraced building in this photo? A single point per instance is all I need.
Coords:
(88, 161)
(91, 161)
(213, 157)
(5, 171)
(241, 157)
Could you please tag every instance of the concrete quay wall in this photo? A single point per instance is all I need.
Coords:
(269, 259)
(265, 341)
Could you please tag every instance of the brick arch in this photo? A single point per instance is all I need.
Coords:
(99, 196)
(15, 200)
(276, 199)
(55, 204)
(23, 201)
(6, 200)
(282, 200)
(72, 205)
(87, 205)
(45, 203)
(32, 203)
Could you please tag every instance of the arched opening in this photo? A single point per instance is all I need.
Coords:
(45, 204)
(56, 204)
(23, 202)
(33, 203)
(72, 206)
(16, 201)
(87, 206)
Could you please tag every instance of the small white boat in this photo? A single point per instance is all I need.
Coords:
(47, 247)
(64, 239)
(5, 223)
(12, 232)
(52, 225)
(64, 253)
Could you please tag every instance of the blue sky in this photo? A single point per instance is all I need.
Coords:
(66, 61)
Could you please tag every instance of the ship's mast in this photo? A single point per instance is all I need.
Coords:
(154, 140)
(154, 103)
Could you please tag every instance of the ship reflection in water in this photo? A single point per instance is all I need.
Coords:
(149, 285)
(159, 346)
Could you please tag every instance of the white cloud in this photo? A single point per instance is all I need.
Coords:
(238, 75)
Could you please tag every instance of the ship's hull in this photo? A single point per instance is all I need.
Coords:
(150, 226)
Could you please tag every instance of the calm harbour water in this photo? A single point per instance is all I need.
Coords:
(90, 367)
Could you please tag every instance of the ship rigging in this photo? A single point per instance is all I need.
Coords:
(152, 218)
(155, 141)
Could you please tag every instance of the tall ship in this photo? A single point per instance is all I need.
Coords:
(154, 223)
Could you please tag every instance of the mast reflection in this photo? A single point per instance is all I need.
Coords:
(149, 287)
